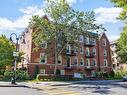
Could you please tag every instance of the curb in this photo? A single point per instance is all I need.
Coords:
(10, 85)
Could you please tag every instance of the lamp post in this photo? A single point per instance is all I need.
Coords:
(15, 54)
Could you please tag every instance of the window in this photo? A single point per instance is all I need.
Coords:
(42, 71)
(42, 58)
(87, 51)
(105, 63)
(94, 62)
(59, 59)
(81, 38)
(44, 45)
(104, 42)
(94, 51)
(68, 48)
(87, 62)
(75, 49)
(81, 50)
(93, 41)
(105, 52)
(81, 62)
(87, 40)
(75, 61)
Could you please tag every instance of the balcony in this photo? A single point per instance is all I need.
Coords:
(89, 67)
(90, 44)
(70, 52)
(90, 55)
(69, 68)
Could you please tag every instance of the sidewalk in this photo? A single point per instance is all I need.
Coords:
(8, 84)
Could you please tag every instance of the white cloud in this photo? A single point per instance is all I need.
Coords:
(22, 21)
(105, 15)
(71, 1)
(113, 38)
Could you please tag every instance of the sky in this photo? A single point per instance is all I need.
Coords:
(15, 14)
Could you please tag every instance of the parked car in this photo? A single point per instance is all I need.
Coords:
(125, 78)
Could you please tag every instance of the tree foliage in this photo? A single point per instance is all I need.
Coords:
(123, 5)
(6, 52)
(122, 46)
(122, 41)
(63, 25)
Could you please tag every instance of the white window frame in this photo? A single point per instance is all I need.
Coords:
(82, 62)
(104, 42)
(105, 64)
(69, 48)
(95, 62)
(45, 45)
(105, 52)
(81, 52)
(75, 49)
(42, 70)
(76, 59)
(87, 51)
(41, 55)
(94, 51)
(81, 38)
(87, 40)
(88, 64)
(93, 41)
(59, 59)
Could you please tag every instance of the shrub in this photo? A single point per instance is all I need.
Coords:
(2, 72)
(20, 75)
(112, 74)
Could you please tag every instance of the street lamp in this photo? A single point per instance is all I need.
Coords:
(15, 54)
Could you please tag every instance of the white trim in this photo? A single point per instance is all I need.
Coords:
(87, 51)
(81, 38)
(94, 51)
(42, 70)
(82, 50)
(82, 62)
(95, 62)
(105, 64)
(105, 52)
(88, 60)
(77, 61)
(60, 59)
(42, 55)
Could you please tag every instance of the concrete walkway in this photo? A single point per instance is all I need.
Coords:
(8, 84)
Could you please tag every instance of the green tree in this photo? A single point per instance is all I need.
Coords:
(123, 5)
(122, 41)
(64, 27)
(122, 46)
(6, 52)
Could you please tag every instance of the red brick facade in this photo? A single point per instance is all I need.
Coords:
(78, 60)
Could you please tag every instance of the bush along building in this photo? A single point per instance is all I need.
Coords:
(92, 55)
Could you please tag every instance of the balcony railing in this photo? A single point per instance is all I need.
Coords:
(89, 43)
(90, 55)
(69, 68)
(70, 52)
(89, 67)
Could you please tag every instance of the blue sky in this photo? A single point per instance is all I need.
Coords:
(15, 14)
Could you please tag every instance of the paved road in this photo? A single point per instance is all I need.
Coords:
(85, 88)
(69, 88)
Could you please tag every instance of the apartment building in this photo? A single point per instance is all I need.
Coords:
(92, 55)
(115, 62)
